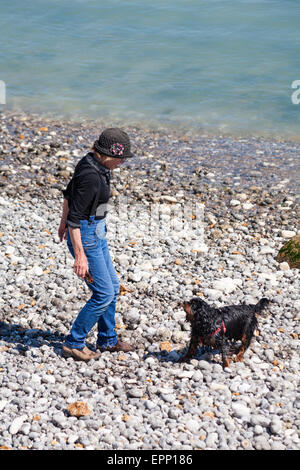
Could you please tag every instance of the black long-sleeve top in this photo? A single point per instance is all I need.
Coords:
(88, 191)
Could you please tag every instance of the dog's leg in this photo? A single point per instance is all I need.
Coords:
(240, 354)
(224, 353)
(192, 349)
(225, 362)
(246, 339)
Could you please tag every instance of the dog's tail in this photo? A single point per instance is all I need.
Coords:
(261, 304)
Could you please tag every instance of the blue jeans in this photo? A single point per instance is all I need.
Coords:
(101, 307)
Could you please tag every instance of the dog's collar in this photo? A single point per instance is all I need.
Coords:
(217, 330)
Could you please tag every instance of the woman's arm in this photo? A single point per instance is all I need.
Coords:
(81, 265)
(62, 230)
(84, 188)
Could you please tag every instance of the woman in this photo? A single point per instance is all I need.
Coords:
(83, 224)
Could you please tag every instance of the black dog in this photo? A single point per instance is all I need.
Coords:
(216, 326)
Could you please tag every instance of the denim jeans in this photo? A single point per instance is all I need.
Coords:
(101, 307)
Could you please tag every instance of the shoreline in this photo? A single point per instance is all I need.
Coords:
(146, 400)
(221, 161)
(175, 126)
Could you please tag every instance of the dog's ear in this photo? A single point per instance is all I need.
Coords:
(188, 310)
(189, 315)
(197, 303)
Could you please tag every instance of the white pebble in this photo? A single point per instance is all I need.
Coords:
(17, 424)
(240, 410)
(235, 202)
(288, 233)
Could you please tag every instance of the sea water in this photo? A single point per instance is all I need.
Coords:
(220, 65)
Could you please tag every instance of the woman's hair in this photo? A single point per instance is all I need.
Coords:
(102, 155)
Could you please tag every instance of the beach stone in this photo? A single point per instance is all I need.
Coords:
(290, 252)
(133, 315)
(197, 376)
(288, 233)
(199, 247)
(3, 404)
(135, 276)
(149, 404)
(174, 413)
(78, 408)
(168, 198)
(135, 393)
(192, 425)
(16, 424)
(9, 250)
(72, 438)
(122, 259)
(235, 202)
(297, 305)
(260, 420)
(227, 284)
(218, 386)
(258, 429)
(240, 410)
(213, 294)
(247, 206)
(59, 419)
(262, 443)
(205, 366)
(211, 439)
(169, 398)
(284, 266)
(277, 446)
(276, 426)
(267, 250)
(36, 271)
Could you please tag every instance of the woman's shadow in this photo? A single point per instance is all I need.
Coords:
(25, 339)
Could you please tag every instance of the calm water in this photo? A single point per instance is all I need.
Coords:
(216, 64)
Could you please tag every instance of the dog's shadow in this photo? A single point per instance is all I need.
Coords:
(203, 353)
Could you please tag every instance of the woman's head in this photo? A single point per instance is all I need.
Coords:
(113, 147)
(113, 142)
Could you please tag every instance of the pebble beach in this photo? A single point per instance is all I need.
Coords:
(192, 215)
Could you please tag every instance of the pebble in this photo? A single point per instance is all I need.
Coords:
(240, 410)
(147, 399)
(193, 425)
(227, 284)
(3, 404)
(16, 424)
(135, 393)
(288, 233)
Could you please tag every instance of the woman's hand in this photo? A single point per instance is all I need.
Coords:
(81, 266)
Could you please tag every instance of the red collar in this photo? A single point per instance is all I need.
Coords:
(217, 330)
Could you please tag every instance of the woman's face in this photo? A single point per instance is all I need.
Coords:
(110, 162)
(114, 162)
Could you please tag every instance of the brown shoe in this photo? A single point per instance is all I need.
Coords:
(84, 354)
(120, 346)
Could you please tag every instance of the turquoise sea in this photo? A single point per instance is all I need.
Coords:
(219, 65)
